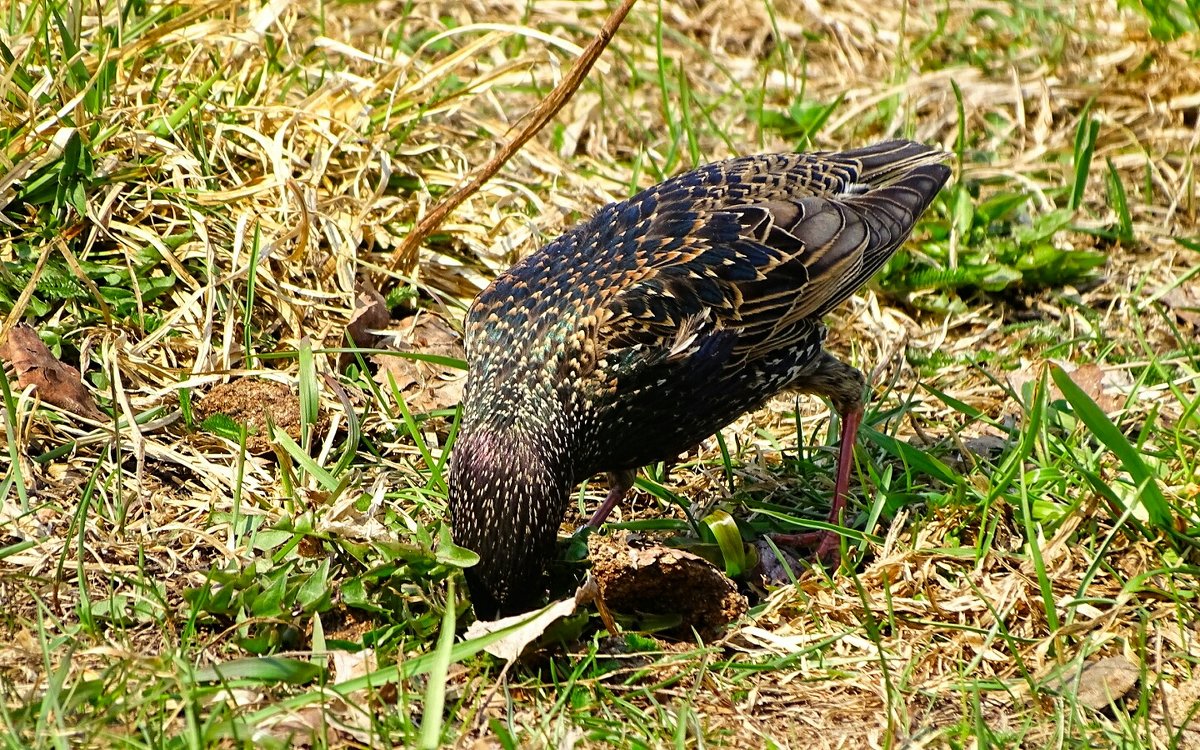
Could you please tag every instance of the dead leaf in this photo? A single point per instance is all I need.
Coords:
(55, 382)
(1107, 386)
(1099, 683)
(1097, 383)
(773, 569)
(370, 314)
(348, 665)
(513, 644)
(426, 386)
(1176, 718)
(987, 445)
(1185, 303)
(299, 727)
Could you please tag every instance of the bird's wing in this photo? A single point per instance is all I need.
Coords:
(757, 245)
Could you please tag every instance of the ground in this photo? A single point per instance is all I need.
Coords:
(235, 535)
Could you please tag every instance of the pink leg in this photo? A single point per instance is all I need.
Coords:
(619, 483)
(828, 542)
(828, 549)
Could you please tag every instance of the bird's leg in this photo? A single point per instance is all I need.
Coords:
(619, 483)
(843, 385)
(827, 542)
(851, 419)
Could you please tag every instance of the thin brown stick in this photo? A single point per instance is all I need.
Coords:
(545, 111)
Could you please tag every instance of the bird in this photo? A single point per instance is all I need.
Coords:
(647, 328)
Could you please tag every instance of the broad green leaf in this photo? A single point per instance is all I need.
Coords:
(449, 553)
(729, 539)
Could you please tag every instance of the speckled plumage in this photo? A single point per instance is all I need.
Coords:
(642, 331)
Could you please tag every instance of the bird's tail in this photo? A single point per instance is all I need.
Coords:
(882, 164)
(897, 180)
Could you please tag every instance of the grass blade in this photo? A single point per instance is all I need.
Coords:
(1085, 145)
(264, 669)
(435, 689)
(912, 457)
(1120, 203)
(1034, 428)
(1112, 438)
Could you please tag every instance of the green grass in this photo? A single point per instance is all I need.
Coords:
(186, 200)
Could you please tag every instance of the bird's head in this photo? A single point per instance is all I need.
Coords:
(507, 498)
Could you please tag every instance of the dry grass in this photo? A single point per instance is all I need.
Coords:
(284, 152)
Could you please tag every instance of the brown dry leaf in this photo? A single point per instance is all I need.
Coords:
(348, 665)
(299, 728)
(663, 580)
(370, 314)
(1185, 303)
(1104, 385)
(1099, 683)
(1177, 717)
(426, 386)
(1101, 384)
(988, 444)
(774, 569)
(55, 382)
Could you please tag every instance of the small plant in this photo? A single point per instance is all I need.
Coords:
(990, 246)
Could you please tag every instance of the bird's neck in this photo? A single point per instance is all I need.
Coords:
(509, 488)
(513, 410)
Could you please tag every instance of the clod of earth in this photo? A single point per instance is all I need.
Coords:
(255, 403)
(633, 578)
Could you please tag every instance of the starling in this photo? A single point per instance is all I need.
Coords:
(644, 330)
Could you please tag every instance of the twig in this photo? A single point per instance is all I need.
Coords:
(404, 255)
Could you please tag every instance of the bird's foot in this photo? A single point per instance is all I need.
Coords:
(827, 544)
(776, 564)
